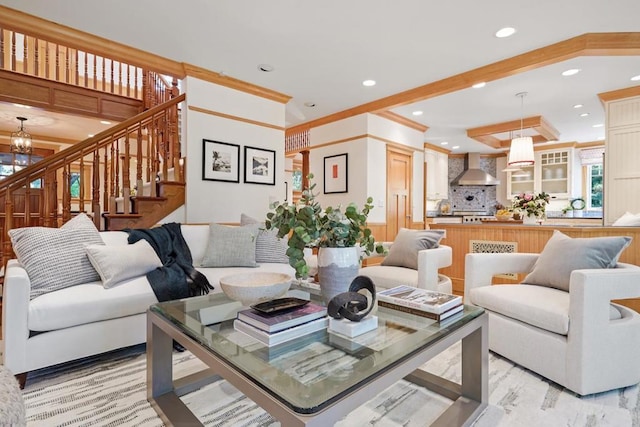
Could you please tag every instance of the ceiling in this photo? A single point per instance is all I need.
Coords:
(322, 51)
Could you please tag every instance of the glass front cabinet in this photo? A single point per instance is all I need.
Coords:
(551, 173)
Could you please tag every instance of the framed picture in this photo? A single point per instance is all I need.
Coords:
(220, 161)
(336, 174)
(259, 166)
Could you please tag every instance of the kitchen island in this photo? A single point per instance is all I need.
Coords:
(496, 236)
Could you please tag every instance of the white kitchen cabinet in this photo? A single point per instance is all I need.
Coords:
(622, 151)
(551, 174)
(437, 174)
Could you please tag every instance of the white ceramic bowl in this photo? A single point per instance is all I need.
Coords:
(251, 288)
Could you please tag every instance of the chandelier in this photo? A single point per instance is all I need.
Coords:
(21, 140)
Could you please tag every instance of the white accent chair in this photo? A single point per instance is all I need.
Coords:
(578, 339)
(425, 277)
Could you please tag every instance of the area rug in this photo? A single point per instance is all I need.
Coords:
(109, 390)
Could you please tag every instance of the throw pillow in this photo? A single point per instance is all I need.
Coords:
(405, 247)
(563, 254)
(231, 246)
(627, 220)
(115, 264)
(268, 247)
(55, 258)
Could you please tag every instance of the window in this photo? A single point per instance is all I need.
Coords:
(594, 186)
(9, 165)
(74, 185)
(297, 180)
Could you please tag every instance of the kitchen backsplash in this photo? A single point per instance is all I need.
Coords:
(472, 197)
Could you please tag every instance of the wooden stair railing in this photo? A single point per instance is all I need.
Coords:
(104, 166)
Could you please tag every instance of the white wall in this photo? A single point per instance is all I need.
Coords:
(367, 160)
(215, 201)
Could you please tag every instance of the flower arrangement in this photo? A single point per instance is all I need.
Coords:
(309, 225)
(533, 205)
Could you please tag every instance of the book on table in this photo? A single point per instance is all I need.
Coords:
(280, 320)
(418, 312)
(421, 299)
(279, 337)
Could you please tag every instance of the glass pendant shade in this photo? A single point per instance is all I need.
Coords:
(521, 152)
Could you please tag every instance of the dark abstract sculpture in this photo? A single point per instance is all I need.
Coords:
(353, 305)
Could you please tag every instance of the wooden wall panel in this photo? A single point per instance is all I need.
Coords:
(53, 96)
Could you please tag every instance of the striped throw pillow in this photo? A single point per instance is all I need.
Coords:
(55, 258)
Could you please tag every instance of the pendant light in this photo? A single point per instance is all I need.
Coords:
(21, 140)
(521, 151)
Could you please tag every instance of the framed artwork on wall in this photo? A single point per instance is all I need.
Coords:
(220, 161)
(336, 174)
(259, 166)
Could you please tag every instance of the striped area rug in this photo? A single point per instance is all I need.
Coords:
(109, 390)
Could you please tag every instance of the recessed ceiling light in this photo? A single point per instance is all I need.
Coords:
(417, 113)
(571, 72)
(22, 106)
(599, 125)
(369, 83)
(266, 68)
(90, 135)
(310, 104)
(578, 106)
(104, 122)
(455, 147)
(444, 143)
(505, 32)
(584, 114)
(479, 85)
(635, 78)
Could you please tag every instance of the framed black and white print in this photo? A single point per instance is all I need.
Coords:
(259, 166)
(220, 161)
(336, 174)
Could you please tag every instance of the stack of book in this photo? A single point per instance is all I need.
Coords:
(281, 326)
(421, 302)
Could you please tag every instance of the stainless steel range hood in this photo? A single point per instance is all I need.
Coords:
(472, 174)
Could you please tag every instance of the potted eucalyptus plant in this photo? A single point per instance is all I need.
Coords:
(308, 225)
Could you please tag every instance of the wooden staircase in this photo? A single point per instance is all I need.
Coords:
(148, 210)
(137, 150)
(109, 166)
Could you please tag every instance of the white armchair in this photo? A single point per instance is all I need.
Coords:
(426, 276)
(578, 339)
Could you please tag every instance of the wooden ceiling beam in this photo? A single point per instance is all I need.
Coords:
(485, 134)
(547, 130)
(513, 125)
(589, 44)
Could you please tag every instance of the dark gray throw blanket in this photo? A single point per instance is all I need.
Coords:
(176, 278)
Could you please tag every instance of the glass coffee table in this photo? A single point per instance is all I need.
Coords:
(321, 377)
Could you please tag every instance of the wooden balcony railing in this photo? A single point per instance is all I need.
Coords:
(109, 165)
(33, 56)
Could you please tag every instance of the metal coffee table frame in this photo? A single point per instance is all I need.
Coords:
(469, 398)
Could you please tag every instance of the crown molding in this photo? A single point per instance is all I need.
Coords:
(389, 115)
(615, 95)
(230, 82)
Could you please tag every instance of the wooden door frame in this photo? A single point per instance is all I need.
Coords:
(405, 152)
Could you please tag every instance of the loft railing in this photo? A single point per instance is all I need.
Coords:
(135, 151)
(33, 56)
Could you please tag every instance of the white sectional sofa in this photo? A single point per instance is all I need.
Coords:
(88, 319)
